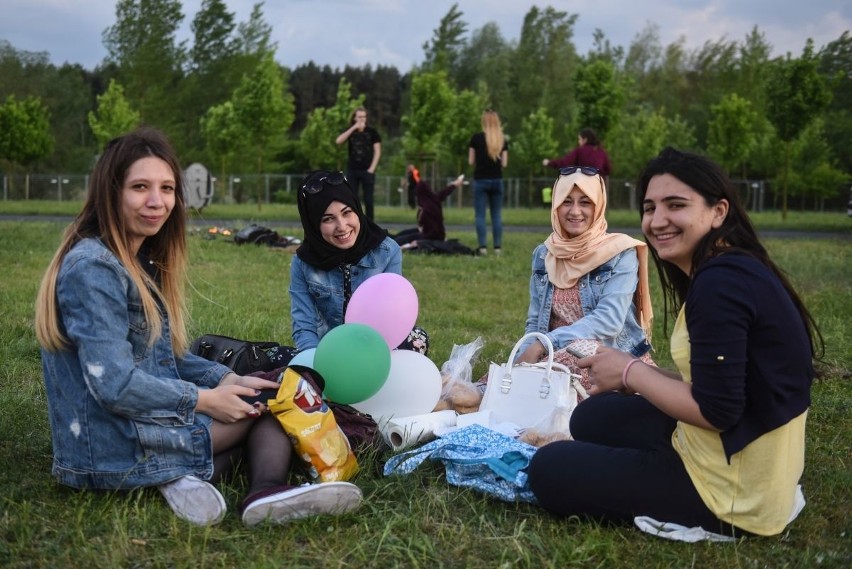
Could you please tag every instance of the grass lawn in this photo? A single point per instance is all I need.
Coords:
(411, 521)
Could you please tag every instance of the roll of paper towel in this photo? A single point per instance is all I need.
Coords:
(402, 432)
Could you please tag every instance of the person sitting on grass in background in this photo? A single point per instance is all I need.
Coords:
(720, 443)
(129, 406)
(341, 249)
(430, 214)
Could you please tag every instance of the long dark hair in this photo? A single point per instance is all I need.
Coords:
(736, 233)
(590, 136)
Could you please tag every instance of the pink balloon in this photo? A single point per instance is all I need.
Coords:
(386, 302)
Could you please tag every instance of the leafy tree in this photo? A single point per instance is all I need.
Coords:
(254, 37)
(603, 50)
(486, 63)
(753, 67)
(462, 120)
(317, 141)
(212, 29)
(796, 94)
(142, 43)
(732, 131)
(639, 136)
(599, 96)
(544, 69)
(312, 86)
(114, 115)
(66, 91)
(534, 140)
(835, 62)
(264, 109)
(224, 136)
(443, 50)
(813, 174)
(426, 120)
(24, 131)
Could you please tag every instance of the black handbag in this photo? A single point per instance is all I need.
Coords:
(242, 356)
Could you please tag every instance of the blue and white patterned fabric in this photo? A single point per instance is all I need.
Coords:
(475, 457)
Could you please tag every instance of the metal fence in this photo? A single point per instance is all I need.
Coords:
(757, 195)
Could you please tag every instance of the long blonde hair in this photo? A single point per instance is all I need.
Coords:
(494, 139)
(100, 218)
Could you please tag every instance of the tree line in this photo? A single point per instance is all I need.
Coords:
(224, 100)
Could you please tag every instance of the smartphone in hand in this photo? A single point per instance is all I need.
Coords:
(582, 348)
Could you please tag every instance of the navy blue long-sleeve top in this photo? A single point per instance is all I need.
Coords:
(751, 357)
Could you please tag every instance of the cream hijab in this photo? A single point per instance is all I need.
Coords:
(569, 259)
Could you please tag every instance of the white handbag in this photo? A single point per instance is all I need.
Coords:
(522, 394)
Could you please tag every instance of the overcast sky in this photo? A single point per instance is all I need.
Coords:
(392, 32)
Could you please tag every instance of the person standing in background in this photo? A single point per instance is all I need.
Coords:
(365, 149)
(588, 152)
(488, 154)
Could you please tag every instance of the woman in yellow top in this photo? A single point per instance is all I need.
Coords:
(720, 443)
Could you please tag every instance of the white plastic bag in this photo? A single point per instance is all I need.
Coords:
(458, 391)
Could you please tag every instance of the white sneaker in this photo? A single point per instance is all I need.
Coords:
(194, 500)
(285, 503)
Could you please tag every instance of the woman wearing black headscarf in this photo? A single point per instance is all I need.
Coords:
(342, 248)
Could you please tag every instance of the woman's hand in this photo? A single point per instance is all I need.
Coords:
(225, 402)
(605, 369)
(248, 381)
(532, 354)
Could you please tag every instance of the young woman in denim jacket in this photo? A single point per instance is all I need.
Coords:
(587, 283)
(129, 406)
(341, 249)
(719, 443)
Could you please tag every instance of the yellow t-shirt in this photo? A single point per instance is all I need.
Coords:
(757, 490)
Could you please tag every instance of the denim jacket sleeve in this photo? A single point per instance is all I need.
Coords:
(303, 309)
(94, 300)
(198, 370)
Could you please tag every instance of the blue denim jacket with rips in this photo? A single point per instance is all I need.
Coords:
(606, 296)
(122, 409)
(316, 295)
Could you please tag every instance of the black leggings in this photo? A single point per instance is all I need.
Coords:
(620, 465)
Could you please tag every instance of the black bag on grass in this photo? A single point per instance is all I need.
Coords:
(448, 247)
(256, 234)
(242, 356)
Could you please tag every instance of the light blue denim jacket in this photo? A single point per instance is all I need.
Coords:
(606, 296)
(122, 412)
(316, 296)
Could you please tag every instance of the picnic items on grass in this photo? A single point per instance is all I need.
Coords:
(524, 394)
(475, 457)
(312, 427)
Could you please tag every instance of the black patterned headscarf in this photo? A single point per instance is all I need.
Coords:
(317, 191)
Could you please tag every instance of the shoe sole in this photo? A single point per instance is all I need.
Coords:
(304, 502)
(187, 495)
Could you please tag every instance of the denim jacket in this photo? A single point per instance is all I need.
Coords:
(122, 411)
(606, 296)
(316, 296)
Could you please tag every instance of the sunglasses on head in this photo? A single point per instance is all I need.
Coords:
(587, 170)
(315, 184)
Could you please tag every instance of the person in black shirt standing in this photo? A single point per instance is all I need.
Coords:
(365, 149)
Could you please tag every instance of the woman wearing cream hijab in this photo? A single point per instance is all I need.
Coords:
(587, 284)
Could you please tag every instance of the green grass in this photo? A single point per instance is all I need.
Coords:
(411, 521)
(273, 214)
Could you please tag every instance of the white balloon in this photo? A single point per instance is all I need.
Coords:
(413, 387)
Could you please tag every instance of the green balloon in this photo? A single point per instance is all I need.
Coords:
(355, 362)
